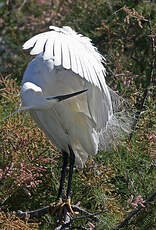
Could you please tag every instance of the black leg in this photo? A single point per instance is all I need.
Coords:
(63, 173)
(53, 209)
(72, 162)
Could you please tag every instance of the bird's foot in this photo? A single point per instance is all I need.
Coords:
(69, 207)
(63, 212)
(60, 208)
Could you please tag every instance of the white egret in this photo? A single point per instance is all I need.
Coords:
(64, 90)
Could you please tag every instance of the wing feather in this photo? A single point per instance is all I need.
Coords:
(73, 57)
(71, 51)
(57, 51)
(48, 49)
(30, 43)
(65, 53)
(38, 46)
(88, 63)
(81, 54)
(79, 67)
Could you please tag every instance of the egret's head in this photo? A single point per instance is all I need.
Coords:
(30, 89)
(33, 98)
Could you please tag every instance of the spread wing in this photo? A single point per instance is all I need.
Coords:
(71, 51)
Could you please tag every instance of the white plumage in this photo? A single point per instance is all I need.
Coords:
(67, 62)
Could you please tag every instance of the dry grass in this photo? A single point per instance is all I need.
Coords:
(9, 221)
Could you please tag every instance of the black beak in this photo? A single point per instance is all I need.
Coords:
(66, 96)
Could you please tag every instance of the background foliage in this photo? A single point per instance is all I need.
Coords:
(116, 181)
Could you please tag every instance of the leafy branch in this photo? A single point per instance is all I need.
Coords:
(135, 211)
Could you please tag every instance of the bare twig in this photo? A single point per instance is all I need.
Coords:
(135, 211)
(23, 3)
(34, 213)
(10, 115)
(149, 77)
(67, 219)
(87, 214)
